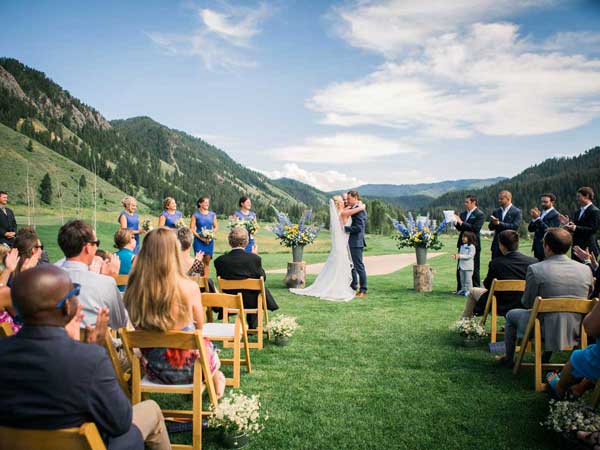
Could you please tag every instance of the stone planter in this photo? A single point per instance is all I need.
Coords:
(297, 253)
(421, 253)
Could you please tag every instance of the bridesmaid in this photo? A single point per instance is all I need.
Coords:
(245, 213)
(170, 216)
(203, 218)
(130, 220)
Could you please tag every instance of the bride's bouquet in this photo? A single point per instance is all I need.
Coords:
(295, 235)
(418, 233)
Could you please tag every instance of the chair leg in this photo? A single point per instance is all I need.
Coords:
(236, 357)
(197, 420)
(539, 386)
(494, 320)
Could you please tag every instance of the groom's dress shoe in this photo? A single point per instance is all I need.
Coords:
(361, 294)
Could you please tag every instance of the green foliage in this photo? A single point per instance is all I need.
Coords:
(45, 189)
(82, 182)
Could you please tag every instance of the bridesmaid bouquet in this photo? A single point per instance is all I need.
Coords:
(295, 235)
(418, 233)
(250, 225)
(180, 223)
(147, 225)
(207, 234)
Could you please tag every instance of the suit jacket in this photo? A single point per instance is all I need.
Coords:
(474, 224)
(357, 230)
(511, 221)
(539, 228)
(50, 381)
(466, 257)
(586, 228)
(7, 223)
(558, 276)
(512, 266)
(239, 265)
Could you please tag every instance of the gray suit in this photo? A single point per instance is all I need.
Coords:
(557, 276)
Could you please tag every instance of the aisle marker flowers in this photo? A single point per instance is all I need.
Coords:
(237, 413)
(295, 235)
(418, 233)
(283, 326)
(469, 327)
(568, 416)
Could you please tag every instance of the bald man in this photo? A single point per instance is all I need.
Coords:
(51, 381)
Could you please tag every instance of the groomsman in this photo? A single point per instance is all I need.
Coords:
(8, 224)
(548, 217)
(584, 223)
(470, 220)
(507, 217)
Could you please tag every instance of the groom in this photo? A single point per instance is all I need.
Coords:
(356, 242)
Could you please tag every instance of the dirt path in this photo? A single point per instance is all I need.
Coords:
(375, 265)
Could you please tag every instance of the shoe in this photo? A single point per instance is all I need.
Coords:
(503, 361)
(361, 294)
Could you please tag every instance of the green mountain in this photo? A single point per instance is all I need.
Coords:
(301, 191)
(561, 176)
(424, 189)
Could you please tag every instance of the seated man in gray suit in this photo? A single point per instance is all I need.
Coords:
(556, 276)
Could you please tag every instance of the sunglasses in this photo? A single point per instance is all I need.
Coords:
(96, 243)
(41, 246)
(72, 293)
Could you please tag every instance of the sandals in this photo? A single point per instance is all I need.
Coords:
(552, 388)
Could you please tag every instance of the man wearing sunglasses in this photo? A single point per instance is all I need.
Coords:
(51, 381)
(77, 239)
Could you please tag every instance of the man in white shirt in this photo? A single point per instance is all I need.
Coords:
(548, 217)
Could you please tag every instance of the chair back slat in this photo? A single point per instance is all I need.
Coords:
(85, 437)
(184, 340)
(572, 305)
(509, 286)
(5, 330)
(122, 280)
(200, 280)
(222, 301)
(251, 284)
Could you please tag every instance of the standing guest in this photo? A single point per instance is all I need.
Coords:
(548, 217)
(238, 264)
(130, 220)
(170, 216)
(77, 239)
(245, 213)
(49, 380)
(125, 243)
(465, 256)
(159, 297)
(8, 224)
(192, 266)
(470, 220)
(204, 219)
(585, 223)
(507, 217)
(556, 276)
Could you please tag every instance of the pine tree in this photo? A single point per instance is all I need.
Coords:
(45, 189)
(82, 182)
(30, 145)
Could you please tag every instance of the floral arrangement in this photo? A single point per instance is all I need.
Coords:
(250, 225)
(237, 413)
(569, 416)
(295, 235)
(282, 326)
(418, 233)
(469, 327)
(147, 225)
(180, 223)
(208, 233)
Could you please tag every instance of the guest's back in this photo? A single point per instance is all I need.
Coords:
(238, 265)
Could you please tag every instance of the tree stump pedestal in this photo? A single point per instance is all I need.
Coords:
(423, 277)
(296, 275)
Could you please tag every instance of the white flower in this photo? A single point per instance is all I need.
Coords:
(282, 326)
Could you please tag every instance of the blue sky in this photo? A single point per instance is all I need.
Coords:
(335, 93)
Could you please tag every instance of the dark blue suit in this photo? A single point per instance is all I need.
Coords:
(49, 381)
(511, 221)
(356, 242)
(539, 228)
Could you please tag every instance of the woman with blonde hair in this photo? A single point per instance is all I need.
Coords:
(130, 220)
(170, 216)
(159, 297)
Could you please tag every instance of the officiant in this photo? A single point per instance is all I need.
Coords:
(470, 220)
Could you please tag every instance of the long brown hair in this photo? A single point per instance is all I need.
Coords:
(154, 298)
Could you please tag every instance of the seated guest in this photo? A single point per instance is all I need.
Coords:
(78, 242)
(79, 383)
(159, 297)
(29, 246)
(590, 260)
(192, 266)
(512, 265)
(556, 276)
(239, 265)
(126, 243)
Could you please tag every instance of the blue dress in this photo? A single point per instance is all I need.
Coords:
(171, 219)
(250, 216)
(133, 223)
(204, 221)
(126, 257)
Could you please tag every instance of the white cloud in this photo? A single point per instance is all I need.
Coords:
(341, 148)
(220, 37)
(327, 180)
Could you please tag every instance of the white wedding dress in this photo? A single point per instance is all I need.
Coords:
(333, 282)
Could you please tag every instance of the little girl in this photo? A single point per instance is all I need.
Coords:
(465, 259)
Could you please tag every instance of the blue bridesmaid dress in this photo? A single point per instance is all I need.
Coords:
(204, 221)
(171, 219)
(133, 223)
(250, 216)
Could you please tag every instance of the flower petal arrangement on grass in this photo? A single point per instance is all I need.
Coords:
(568, 416)
(282, 326)
(251, 226)
(238, 413)
(418, 233)
(208, 234)
(295, 235)
(469, 327)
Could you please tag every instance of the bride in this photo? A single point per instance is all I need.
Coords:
(333, 282)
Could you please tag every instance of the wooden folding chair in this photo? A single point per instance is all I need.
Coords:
(534, 332)
(5, 330)
(86, 437)
(229, 333)
(497, 287)
(202, 375)
(122, 376)
(261, 311)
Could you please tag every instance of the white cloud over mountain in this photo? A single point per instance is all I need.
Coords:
(328, 180)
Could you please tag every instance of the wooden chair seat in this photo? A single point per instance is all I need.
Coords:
(214, 330)
(179, 388)
(86, 437)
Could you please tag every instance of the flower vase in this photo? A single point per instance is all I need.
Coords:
(421, 255)
(234, 439)
(281, 341)
(297, 253)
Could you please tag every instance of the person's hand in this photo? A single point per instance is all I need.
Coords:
(570, 227)
(96, 264)
(564, 220)
(199, 255)
(582, 254)
(494, 220)
(10, 234)
(453, 256)
(255, 249)
(97, 333)
(11, 260)
(458, 219)
(535, 213)
(142, 231)
(31, 262)
(74, 325)
(111, 266)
